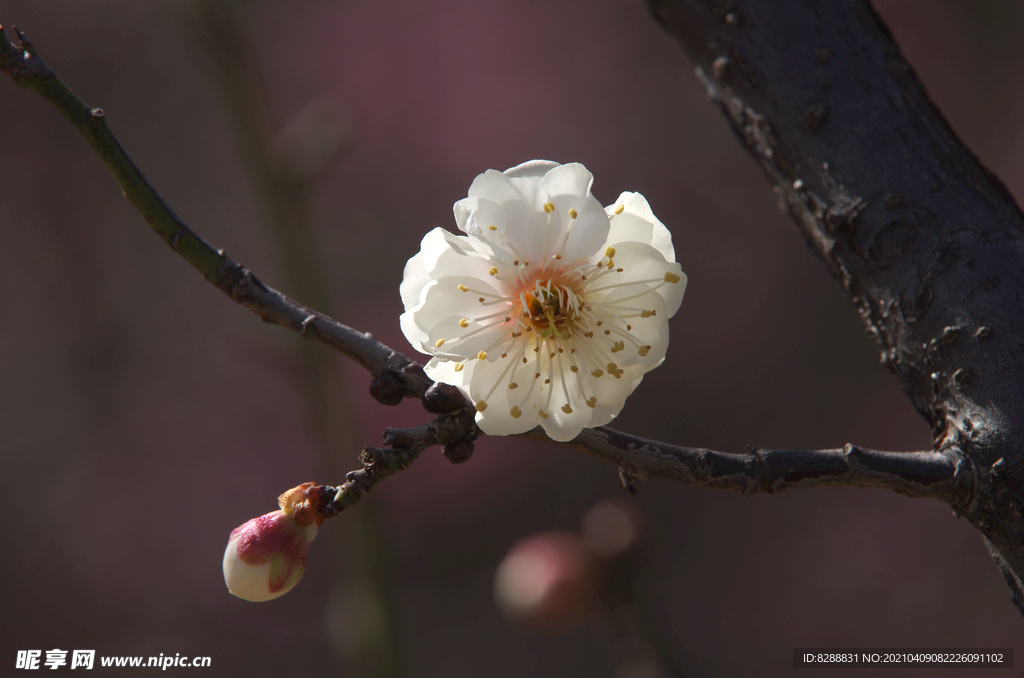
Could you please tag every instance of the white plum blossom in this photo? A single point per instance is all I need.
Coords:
(551, 308)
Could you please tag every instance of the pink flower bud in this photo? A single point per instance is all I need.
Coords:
(547, 581)
(266, 556)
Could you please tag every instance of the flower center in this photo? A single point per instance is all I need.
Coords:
(550, 309)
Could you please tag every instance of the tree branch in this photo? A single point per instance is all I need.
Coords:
(917, 474)
(925, 240)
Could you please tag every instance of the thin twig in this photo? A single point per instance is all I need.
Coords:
(918, 474)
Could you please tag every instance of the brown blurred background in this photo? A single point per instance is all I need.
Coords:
(143, 415)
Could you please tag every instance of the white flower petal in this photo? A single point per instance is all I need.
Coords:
(571, 179)
(494, 186)
(637, 222)
(445, 304)
(610, 395)
(643, 265)
(531, 169)
(513, 230)
(566, 304)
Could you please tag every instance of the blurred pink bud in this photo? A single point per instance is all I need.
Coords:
(266, 556)
(611, 527)
(546, 581)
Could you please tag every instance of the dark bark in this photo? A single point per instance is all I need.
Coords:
(926, 241)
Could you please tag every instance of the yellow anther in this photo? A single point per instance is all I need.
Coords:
(671, 278)
(481, 406)
(492, 227)
(592, 401)
(618, 346)
(611, 264)
(439, 343)
(574, 368)
(513, 385)
(572, 213)
(567, 409)
(549, 207)
(645, 314)
(463, 288)
(610, 252)
(643, 350)
(482, 355)
(558, 256)
(543, 414)
(458, 367)
(516, 412)
(618, 210)
(597, 373)
(494, 270)
(464, 322)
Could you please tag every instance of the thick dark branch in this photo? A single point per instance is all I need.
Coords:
(926, 241)
(920, 474)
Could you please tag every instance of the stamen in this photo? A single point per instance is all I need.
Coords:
(438, 343)
(627, 284)
(482, 328)
(565, 389)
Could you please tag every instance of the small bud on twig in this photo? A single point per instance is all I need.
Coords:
(386, 389)
(459, 451)
(443, 398)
